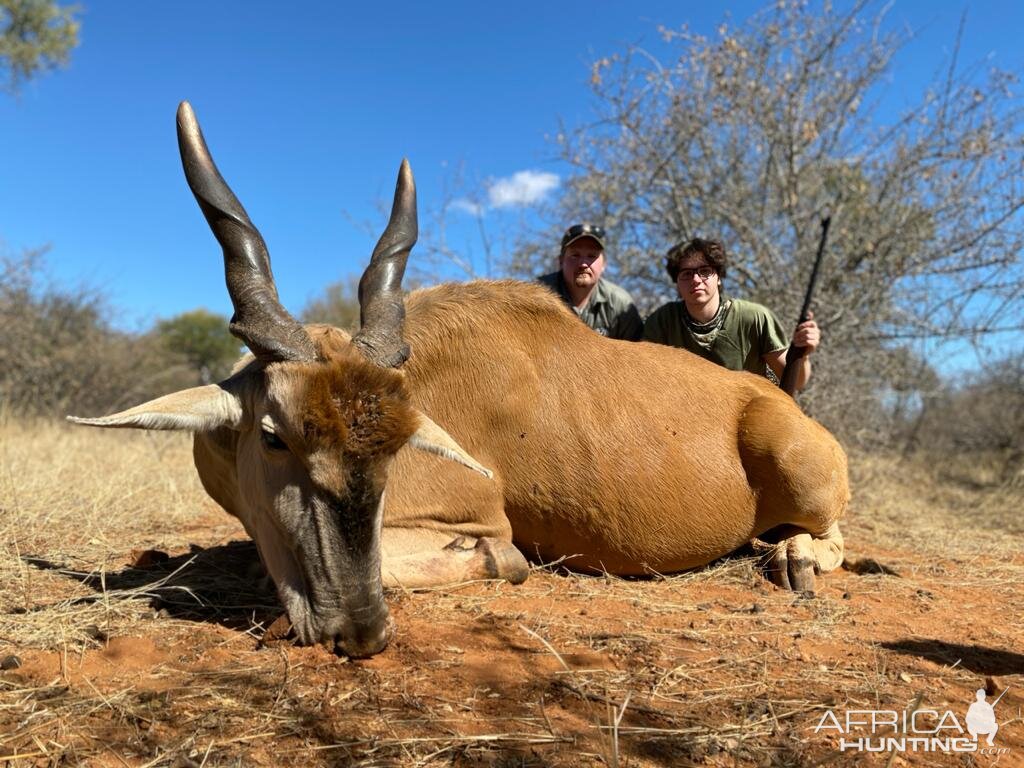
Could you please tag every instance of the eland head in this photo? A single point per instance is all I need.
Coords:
(298, 440)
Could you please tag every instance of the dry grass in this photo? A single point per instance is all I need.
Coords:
(161, 665)
(963, 514)
(80, 500)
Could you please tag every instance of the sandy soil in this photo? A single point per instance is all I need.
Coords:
(715, 667)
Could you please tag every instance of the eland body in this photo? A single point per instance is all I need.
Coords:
(496, 422)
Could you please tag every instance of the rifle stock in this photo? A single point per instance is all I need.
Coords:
(788, 381)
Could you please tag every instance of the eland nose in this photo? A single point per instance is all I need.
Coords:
(361, 639)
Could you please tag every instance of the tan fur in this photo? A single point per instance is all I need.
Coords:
(511, 422)
(634, 457)
(625, 457)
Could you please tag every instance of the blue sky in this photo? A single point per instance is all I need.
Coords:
(309, 112)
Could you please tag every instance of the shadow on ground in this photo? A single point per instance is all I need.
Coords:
(223, 585)
(976, 658)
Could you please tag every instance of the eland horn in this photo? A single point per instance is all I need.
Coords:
(259, 318)
(381, 307)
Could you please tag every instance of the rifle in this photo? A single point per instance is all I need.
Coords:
(788, 380)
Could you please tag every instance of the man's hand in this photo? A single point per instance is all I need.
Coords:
(807, 334)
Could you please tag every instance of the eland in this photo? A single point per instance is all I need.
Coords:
(467, 424)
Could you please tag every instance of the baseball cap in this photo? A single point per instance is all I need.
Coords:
(577, 231)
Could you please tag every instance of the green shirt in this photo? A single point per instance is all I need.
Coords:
(610, 310)
(748, 332)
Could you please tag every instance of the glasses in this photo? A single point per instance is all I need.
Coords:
(704, 273)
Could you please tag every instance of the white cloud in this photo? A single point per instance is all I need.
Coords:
(521, 188)
(467, 206)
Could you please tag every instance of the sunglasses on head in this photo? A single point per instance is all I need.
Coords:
(583, 229)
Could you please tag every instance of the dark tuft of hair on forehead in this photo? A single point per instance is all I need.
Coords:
(357, 408)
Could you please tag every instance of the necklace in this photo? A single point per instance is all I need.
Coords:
(706, 333)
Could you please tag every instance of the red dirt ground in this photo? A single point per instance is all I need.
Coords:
(715, 667)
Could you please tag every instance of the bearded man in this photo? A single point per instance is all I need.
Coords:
(598, 302)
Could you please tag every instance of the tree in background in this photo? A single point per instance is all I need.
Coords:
(978, 426)
(748, 135)
(202, 337)
(338, 305)
(56, 351)
(60, 355)
(35, 36)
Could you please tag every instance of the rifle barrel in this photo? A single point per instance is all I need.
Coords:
(812, 283)
(788, 380)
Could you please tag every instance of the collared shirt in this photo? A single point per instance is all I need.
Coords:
(748, 332)
(610, 310)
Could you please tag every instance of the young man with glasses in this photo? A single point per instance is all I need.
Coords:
(599, 303)
(737, 334)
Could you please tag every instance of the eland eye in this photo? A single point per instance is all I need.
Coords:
(271, 441)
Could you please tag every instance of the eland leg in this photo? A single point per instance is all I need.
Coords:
(444, 524)
(417, 557)
(792, 557)
(798, 472)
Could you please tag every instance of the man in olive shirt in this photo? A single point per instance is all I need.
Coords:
(737, 334)
(599, 303)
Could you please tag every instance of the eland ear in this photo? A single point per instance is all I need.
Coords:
(431, 438)
(199, 409)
